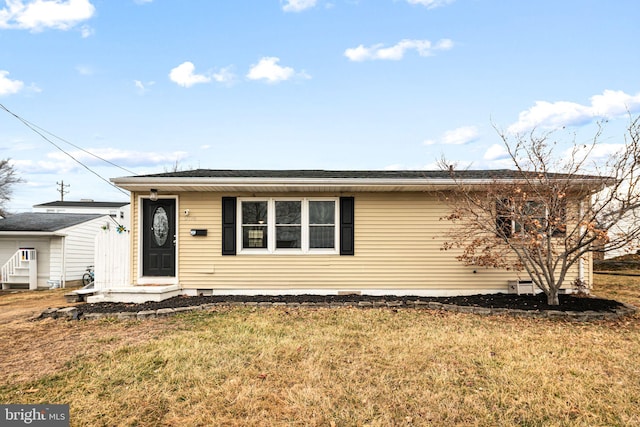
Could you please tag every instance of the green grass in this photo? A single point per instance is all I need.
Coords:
(348, 367)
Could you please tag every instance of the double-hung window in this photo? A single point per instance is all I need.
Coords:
(526, 217)
(288, 225)
(255, 232)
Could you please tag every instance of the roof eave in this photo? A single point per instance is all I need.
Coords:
(33, 233)
(138, 184)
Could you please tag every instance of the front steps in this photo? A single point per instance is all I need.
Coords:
(21, 270)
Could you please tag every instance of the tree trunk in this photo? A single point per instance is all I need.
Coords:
(552, 297)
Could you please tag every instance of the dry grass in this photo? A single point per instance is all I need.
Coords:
(339, 367)
(618, 287)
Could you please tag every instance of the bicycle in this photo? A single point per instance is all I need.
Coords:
(87, 277)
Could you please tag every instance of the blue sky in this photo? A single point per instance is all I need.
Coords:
(301, 84)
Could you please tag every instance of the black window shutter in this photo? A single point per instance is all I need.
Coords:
(228, 226)
(346, 226)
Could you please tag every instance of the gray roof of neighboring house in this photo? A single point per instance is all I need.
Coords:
(43, 222)
(81, 204)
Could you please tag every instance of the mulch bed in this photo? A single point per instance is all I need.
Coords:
(509, 301)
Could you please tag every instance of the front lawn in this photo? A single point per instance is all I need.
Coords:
(343, 367)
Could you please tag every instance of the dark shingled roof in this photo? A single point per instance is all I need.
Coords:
(82, 204)
(480, 174)
(43, 222)
(329, 174)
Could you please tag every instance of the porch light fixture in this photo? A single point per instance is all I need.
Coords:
(153, 195)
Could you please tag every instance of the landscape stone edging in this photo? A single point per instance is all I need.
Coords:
(72, 313)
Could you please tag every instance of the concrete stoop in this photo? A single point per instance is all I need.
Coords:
(136, 294)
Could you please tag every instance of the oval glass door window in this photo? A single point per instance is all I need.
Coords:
(160, 226)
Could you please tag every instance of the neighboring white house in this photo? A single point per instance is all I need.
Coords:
(119, 211)
(624, 227)
(62, 243)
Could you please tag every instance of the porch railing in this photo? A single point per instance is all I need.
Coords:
(23, 259)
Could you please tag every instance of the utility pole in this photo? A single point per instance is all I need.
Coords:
(62, 190)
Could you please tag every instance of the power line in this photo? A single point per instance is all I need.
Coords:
(33, 125)
(39, 131)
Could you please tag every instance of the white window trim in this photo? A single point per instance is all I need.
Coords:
(271, 227)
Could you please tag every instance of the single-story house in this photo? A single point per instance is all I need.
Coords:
(41, 250)
(119, 211)
(300, 231)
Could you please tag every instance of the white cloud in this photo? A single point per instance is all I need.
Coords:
(129, 158)
(459, 136)
(86, 31)
(268, 69)
(225, 75)
(614, 103)
(397, 52)
(553, 115)
(143, 87)
(431, 4)
(33, 88)
(39, 15)
(85, 70)
(8, 86)
(59, 162)
(184, 75)
(298, 5)
(496, 152)
(598, 154)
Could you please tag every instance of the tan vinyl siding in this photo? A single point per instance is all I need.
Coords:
(398, 237)
(134, 236)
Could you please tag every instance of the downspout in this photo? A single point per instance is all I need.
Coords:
(581, 260)
(63, 274)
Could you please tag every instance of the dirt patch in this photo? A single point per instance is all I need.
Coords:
(20, 305)
(32, 349)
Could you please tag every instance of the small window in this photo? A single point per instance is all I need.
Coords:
(530, 216)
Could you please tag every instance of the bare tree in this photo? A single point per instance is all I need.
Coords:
(8, 178)
(544, 216)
